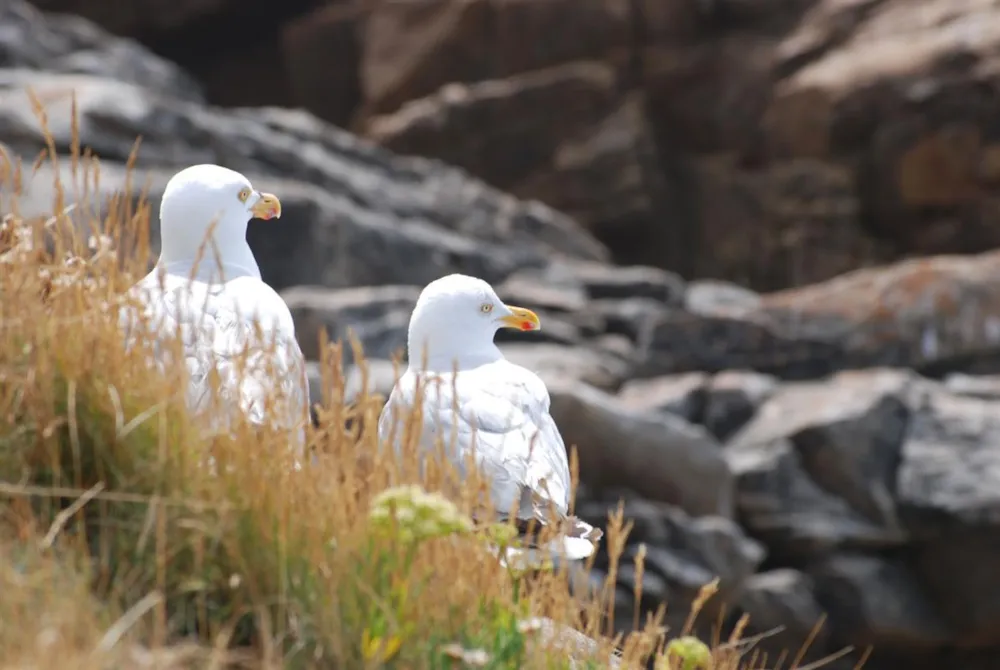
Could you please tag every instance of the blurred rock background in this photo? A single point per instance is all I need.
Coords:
(732, 216)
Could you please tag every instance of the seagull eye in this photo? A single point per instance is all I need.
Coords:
(244, 194)
(486, 308)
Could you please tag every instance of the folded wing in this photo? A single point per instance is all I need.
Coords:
(220, 341)
(500, 416)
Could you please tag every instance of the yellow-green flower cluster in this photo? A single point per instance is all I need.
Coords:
(413, 514)
(685, 653)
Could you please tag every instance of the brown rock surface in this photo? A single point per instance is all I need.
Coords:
(486, 127)
(770, 143)
(902, 87)
(413, 48)
(786, 224)
(321, 59)
(593, 160)
(933, 314)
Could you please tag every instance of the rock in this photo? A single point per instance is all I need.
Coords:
(683, 395)
(381, 377)
(411, 50)
(682, 554)
(650, 520)
(377, 377)
(932, 314)
(909, 103)
(557, 328)
(811, 130)
(133, 18)
(217, 41)
(223, 70)
(958, 571)
(732, 399)
(609, 282)
(921, 313)
(876, 602)
(780, 505)
(846, 435)
(708, 296)
(985, 388)
(523, 290)
(610, 180)
(563, 307)
(653, 589)
(660, 457)
(848, 431)
(617, 346)
(766, 144)
(870, 461)
(593, 161)
(602, 281)
(783, 603)
(708, 94)
(948, 498)
(730, 338)
(322, 56)
(378, 316)
(361, 215)
(868, 116)
(563, 30)
(72, 45)
(336, 243)
(314, 377)
(631, 317)
(555, 363)
(717, 544)
(789, 224)
(442, 124)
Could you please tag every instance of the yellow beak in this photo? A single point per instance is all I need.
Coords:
(267, 207)
(521, 319)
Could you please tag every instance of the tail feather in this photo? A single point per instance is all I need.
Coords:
(576, 541)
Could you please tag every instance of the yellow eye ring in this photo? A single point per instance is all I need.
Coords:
(486, 308)
(244, 194)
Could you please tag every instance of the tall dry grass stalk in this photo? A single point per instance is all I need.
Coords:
(118, 546)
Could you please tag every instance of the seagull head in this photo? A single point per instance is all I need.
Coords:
(456, 317)
(204, 199)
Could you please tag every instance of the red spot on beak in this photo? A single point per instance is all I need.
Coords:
(527, 325)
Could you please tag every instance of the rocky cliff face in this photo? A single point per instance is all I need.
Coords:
(829, 449)
(769, 143)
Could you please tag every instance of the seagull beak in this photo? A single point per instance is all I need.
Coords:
(521, 319)
(267, 207)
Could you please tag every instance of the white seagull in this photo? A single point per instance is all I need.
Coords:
(502, 413)
(207, 283)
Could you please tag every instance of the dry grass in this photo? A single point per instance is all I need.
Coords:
(119, 549)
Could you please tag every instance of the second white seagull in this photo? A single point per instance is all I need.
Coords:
(502, 415)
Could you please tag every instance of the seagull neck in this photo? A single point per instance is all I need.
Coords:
(443, 358)
(181, 248)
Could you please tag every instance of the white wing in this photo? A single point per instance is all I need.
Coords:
(503, 419)
(219, 338)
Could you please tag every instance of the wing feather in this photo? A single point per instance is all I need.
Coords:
(219, 340)
(502, 419)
